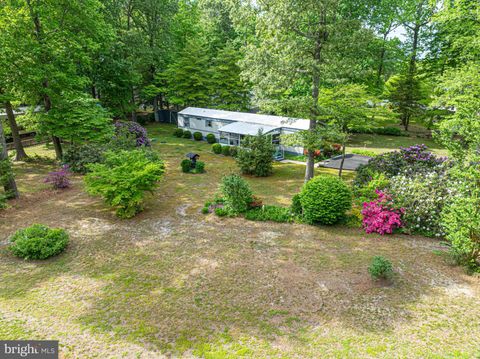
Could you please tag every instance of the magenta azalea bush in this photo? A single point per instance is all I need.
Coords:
(379, 216)
(59, 179)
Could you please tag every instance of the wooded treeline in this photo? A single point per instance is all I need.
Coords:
(83, 62)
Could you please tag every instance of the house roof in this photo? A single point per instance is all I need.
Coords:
(245, 128)
(266, 120)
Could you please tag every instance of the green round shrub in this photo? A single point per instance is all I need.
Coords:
(217, 148)
(38, 242)
(187, 134)
(200, 167)
(197, 136)
(178, 132)
(186, 166)
(211, 138)
(226, 150)
(325, 199)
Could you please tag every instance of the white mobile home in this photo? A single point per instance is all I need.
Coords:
(230, 127)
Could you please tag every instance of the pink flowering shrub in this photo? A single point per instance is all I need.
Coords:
(380, 216)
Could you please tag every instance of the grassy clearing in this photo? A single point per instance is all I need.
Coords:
(174, 282)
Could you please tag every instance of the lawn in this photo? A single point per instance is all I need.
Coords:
(174, 282)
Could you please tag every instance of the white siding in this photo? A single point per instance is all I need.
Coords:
(199, 124)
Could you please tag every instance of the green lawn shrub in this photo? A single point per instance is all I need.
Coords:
(178, 133)
(123, 179)
(380, 268)
(325, 200)
(217, 148)
(197, 136)
(38, 242)
(187, 134)
(236, 193)
(199, 167)
(186, 166)
(211, 138)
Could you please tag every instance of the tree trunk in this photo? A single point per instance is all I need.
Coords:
(20, 151)
(57, 144)
(155, 108)
(10, 185)
(310, 170)
(340, 171)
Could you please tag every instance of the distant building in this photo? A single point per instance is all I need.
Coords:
(230, 127)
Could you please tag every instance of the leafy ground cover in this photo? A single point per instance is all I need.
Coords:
(174, 282)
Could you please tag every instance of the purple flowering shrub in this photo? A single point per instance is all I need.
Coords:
(407, 161)
(380, 216)
(59, 179)
(132, 130)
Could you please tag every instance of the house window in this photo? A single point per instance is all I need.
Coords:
(234, 139)
(208, 123)
(224, 138)
(186, 122)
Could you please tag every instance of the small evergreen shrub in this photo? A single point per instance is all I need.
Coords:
(217, 148)
(226, 150)
(186, 166)
(59, 179)
(255, 157)
(200, 167)
(380, 268)
(187, 134)
(325, 200)
(78, 157)
(38, 242)
(123, 178)
(211, 138)
(178, 133)
(269, 213)
(197, 136)
(236, 193)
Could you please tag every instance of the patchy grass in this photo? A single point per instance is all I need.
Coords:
(381, 144)
(174, 282)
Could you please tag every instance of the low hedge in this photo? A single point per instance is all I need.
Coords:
(197, 136)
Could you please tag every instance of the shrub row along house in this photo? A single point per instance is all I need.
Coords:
(230, 127)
